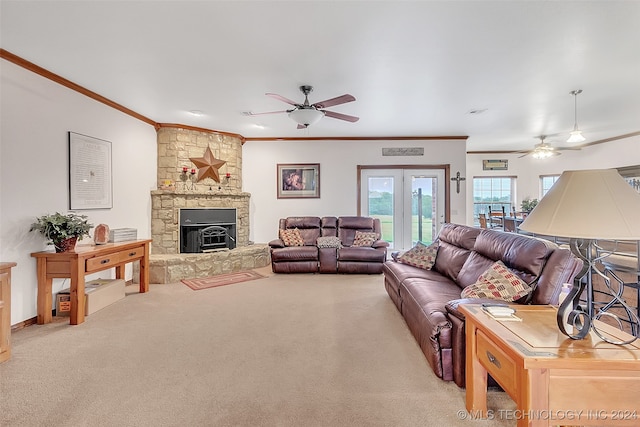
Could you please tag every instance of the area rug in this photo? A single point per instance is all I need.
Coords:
(221, 280)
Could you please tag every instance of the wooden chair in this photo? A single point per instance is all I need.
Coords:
(483, 220)
(496, 218)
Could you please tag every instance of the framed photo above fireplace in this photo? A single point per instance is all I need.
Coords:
(298, 181)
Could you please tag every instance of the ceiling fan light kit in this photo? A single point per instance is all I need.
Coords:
(576, 134)
(306, 116)
(542, 154)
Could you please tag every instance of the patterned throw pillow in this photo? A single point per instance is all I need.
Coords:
(291, 237)
(364, 238)
(498, 282)
(421, 256)
(329, 242)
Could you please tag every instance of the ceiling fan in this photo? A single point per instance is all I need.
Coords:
(306, 114)
(544, 150)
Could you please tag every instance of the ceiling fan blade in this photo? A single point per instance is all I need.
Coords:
(341, 116)
(569, 148)
(525, 154)
(334, 101)
(282, 98)
(301, 126)
(250, 113)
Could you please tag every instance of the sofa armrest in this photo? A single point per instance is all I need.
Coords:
(380, 244)
(452, 306)
(276, 243)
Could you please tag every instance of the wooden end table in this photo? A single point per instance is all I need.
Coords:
(85, 260)
(553, 379)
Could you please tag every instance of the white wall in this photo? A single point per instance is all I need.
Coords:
(614, 154)
(36, 116)
(338, 176)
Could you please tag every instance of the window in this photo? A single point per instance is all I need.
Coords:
(493, 193)
(546, 182)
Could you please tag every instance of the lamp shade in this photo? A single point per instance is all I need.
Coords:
(588, 204)
(576, 136)
(306, 116)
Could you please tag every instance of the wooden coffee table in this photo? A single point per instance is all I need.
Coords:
(553, 379)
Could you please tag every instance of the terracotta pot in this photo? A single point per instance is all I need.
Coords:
(66, 245)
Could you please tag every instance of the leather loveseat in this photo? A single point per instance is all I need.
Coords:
(428, 299)
(340, 255)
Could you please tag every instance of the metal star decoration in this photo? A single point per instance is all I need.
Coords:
(208, 166)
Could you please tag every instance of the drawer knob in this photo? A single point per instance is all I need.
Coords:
(132, 253)
(105, 261)
(493, 359)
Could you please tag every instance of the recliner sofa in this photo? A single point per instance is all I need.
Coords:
(343, 257)
(428, 299)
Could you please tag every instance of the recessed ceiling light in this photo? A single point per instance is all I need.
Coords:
(196, 113)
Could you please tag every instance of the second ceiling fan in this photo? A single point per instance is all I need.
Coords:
(306, 114)
(544, 150)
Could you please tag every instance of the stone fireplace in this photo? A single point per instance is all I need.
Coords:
(177, 190)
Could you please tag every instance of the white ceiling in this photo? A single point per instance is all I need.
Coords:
(416, 68)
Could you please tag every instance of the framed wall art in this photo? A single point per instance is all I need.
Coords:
(90, 185)
(297, 181)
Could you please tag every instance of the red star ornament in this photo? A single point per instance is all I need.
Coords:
(208, 166)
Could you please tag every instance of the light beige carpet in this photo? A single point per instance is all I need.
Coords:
(285, 350)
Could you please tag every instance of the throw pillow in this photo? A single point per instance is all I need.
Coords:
(498, 282)
(291, 237)
(421, 256)
(364, 238)
(328, 242)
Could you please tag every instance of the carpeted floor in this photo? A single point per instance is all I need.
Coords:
(222, 279)
(284, 350)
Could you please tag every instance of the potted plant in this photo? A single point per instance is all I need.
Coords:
(62, 230)
(528, 204)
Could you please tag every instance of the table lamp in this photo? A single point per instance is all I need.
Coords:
(584, 206)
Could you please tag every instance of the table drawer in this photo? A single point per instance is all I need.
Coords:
(111, 260)
(500, 366)
(129, 254)
(101, 262)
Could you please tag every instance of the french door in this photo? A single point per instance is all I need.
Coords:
(409, 202)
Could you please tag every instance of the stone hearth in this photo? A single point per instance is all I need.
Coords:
(176, 145)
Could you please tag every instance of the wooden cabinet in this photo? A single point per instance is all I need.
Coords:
(5, 310)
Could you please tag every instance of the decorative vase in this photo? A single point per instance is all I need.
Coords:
(66, 245)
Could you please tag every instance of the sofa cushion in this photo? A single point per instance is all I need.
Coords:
(349, 225)
(497, 282)
(421, 256)
(295, 254)
(455, 245)
(361, 254)
(328, 242)
(364, 238)
(291, 237)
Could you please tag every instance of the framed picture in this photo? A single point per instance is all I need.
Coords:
(297, 181)
(89, 173)
(495, 165)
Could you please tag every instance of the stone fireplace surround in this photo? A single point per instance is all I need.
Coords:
(176, 145)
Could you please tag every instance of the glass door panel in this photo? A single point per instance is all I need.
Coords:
(407, 202)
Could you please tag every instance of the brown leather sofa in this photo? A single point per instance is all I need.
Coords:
(347, 258)
(428, 299)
